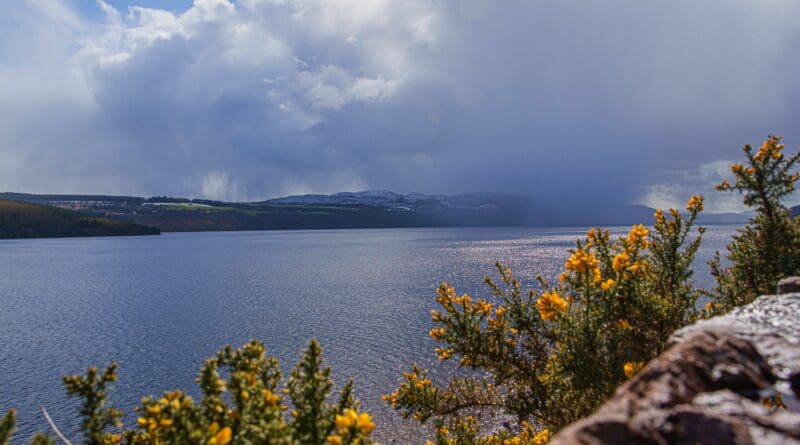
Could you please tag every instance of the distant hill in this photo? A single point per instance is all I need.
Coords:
(26, 220)
(367, 209)
(724, 218)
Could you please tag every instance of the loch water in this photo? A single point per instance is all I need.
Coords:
(161, 305)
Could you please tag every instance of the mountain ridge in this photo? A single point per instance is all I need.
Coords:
(362, 209)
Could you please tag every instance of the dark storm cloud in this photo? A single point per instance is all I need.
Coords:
(582, 101)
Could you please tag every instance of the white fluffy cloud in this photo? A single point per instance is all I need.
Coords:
(301, 48)
(165, 97)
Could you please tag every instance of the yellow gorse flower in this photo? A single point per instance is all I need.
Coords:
(351, 419)
(482, 307)
(542, 437)
(620, 261)
(443, 353)
(463, 301)
(224, 436)
(549, 304)
(638, 266)
(631, 368)
(219, 436)
(445, 295)
(270, 398)
(581, 261)
(770, 147)
(365, 423)
(628, 369)
(436, 333)
(608, 284)
(346, 420)
(659, 217)
(695, 204)
(637, 237)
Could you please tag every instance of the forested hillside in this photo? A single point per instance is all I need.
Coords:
(26, 220)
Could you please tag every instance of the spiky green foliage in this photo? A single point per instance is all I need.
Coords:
(41, 439)
(309, 388)
(92, 388)
(249, 407)
(246, 407)
(7, 425)
(768, 247)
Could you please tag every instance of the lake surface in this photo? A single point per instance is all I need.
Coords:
(161, 305)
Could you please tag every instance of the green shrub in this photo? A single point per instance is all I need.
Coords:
(247, 407)
(768, 247)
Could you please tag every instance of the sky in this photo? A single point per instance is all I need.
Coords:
(580, 101)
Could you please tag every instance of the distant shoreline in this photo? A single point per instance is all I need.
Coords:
(332, 229)
(354, 210)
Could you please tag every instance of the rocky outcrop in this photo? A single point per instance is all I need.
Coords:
(709, 387)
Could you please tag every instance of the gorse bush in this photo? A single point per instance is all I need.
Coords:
(248, 406)
(768, 247)
(552, 355)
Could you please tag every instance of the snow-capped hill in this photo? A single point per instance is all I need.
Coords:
(375, 198)
(419, 198)
(391, 200)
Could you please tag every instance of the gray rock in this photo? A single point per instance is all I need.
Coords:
(771, 323)
(708, 387)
